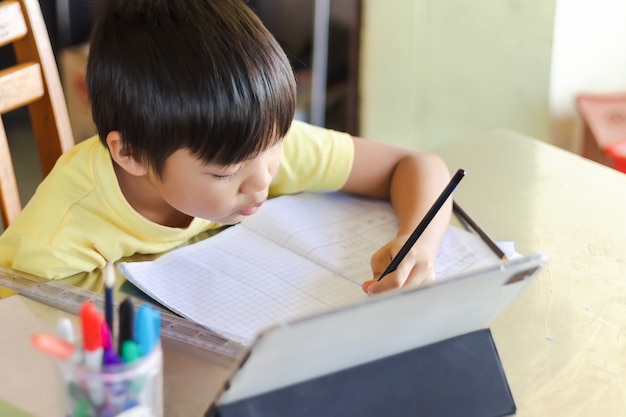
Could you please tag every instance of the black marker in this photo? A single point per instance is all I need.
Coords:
(126, 323)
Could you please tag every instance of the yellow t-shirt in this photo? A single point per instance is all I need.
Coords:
(78, 219)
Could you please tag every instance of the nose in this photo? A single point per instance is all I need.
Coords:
(258, 179)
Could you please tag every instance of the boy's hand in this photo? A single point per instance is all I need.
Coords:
(416, 268)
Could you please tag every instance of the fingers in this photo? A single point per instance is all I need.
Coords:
(414, 270)
(389, 282)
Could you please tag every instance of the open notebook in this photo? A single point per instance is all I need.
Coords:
(298, 256)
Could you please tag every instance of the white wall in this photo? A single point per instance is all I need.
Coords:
(589, 56)
(435, 71)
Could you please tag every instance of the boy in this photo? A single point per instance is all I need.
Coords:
(194, 102)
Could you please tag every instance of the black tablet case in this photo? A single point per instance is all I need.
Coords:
(460, 376)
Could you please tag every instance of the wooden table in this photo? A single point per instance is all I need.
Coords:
(562, 341)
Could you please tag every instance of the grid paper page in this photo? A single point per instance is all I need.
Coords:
(335, 230)
(239, 289)
(254, 275)
(342, 232)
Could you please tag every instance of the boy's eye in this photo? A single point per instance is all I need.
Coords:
(225, 173)
(225, 177)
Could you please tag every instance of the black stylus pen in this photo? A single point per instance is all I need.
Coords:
(471, 225)
(430, 215)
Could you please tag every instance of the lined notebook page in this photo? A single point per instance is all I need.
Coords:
(256, 274)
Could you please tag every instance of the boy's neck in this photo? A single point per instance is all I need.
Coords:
(142, 197)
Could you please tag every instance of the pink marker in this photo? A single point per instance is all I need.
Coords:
(109, 355)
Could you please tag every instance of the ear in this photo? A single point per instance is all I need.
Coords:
(122, 156)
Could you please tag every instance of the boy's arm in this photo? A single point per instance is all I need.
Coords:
(412, 181)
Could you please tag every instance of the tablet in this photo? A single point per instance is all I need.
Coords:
(383, 326)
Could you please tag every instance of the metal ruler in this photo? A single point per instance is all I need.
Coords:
(182, 332)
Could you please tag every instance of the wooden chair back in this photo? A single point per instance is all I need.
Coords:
(33, 82)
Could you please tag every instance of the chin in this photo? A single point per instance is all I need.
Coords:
(230, 220)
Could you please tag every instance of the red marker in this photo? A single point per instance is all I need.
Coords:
(91, 322)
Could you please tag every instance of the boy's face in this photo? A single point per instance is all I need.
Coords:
(223, 194)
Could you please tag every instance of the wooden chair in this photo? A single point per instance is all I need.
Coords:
(33, 82)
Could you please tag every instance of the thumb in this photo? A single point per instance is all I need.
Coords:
(366, 285)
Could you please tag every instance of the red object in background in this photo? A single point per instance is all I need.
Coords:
(604, 136)
(617, 154)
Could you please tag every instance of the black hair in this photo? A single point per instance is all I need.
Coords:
(204, 75)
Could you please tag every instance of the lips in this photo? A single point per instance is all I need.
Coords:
(251, 210)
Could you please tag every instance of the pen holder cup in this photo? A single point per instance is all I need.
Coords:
(133, 390)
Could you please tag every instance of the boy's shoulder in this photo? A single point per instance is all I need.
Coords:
(314, 159)
(74, 176)
(304, 134)
(80, 154)
(79, 167)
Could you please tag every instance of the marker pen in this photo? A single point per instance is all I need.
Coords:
(126, 323)
(65, 331)
(146, 335)
(109, 355)
(130, 351)
(91, 323)
(53, 346)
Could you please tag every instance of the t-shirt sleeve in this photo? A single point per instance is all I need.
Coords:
(314, 159)
(37, 257)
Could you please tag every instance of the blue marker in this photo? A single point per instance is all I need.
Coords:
(146, 333)
(157, 324)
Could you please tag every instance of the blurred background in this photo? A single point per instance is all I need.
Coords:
(418, 73)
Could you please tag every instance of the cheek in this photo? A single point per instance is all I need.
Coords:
(274, 163)
(197, 196)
